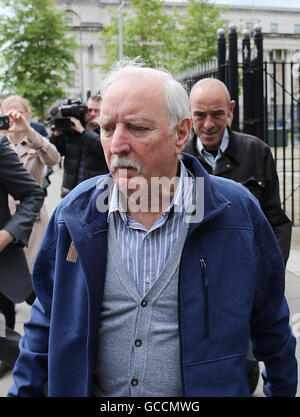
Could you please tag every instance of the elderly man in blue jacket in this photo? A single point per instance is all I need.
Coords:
(150, 280)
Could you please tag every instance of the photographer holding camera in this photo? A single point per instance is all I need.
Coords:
(81, 147)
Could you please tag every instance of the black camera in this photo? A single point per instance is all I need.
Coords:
(60, 114)
(73, 108)
(63, 125)
(4, 123)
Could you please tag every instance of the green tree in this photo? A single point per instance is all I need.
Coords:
(195, 40)
(147, 32)
(176, 40)
(36, 51)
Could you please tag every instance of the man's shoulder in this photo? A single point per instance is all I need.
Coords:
(86, 188)
(227, 185)
(228, 188)
(245, 139)
(82, 199)
(234, 192)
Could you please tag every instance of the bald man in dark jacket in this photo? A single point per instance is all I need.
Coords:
(241, 157)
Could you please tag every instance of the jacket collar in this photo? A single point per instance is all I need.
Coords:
(232, 150)
(213, 202)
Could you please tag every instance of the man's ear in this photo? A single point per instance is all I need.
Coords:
(230, 115)
(183, 131)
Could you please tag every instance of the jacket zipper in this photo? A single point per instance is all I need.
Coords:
(206, 315)
(205, 283)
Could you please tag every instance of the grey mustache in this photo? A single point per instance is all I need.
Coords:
(125, 163)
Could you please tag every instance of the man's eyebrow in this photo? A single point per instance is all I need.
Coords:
(136, 119)
(218, 111)
(133, 119)
(104, 120)
(202, 112)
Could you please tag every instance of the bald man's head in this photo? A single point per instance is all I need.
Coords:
(211, 110)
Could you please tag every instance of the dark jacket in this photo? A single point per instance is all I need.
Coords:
(15, 180)
(231, 284)
(249, 161)
(71, 146)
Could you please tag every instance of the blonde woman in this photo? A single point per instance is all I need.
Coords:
(34, 151)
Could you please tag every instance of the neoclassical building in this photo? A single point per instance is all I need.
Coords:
(85, 19)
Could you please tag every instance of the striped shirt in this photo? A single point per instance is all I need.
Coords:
(145, 251)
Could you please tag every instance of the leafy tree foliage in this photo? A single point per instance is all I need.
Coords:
(175, 40)
(195, 40)
(147, 32)
(36, 51)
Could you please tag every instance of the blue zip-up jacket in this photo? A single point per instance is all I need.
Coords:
(231, 286)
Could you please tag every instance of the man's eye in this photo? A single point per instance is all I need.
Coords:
(218, 114)
(199, 116)
(106, 128)
(138, 128)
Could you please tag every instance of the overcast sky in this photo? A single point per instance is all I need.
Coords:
(271, 3)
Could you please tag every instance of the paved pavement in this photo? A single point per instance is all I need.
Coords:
(292, 288)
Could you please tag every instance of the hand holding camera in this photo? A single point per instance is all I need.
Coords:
(67, 116)
(76, 125)
(14, 121)
(4, 123)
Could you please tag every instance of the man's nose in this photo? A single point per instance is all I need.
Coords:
(208, 122)
(120, 143)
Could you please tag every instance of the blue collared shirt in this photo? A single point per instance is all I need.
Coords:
(207, 156)
(145, 252)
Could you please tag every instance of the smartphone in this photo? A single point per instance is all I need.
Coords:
(4, 122)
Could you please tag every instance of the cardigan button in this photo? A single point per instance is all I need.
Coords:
(134, 382)
(144, 303)
(138, 343)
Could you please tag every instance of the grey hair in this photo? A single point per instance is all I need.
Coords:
(176, 96)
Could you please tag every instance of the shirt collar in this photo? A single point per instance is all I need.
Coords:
(222, 147)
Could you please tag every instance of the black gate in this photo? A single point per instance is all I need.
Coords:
(267, 96)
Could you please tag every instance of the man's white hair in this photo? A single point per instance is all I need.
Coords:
(176, 97)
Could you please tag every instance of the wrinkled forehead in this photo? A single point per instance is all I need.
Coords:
(209, 95)
(141, 91)
(137, 81)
